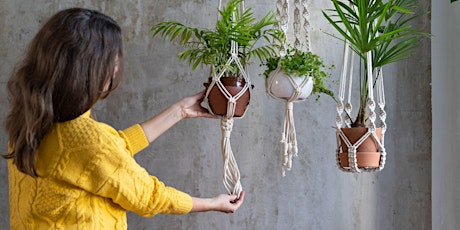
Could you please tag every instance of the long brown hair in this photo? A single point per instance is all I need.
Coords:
(68, 66)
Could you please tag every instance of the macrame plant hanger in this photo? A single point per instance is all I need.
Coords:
(231, 173)
(341, 121)
(288, 137)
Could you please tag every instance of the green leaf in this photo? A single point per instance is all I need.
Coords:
(380, 26)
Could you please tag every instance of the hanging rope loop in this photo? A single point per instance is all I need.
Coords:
(347, 74)
(371, 116)
(301, 42)
(231, 173)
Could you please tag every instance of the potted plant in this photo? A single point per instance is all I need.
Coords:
(297, 65)
(378, 30)
(212, 47)
(227, 49)
(293, 77)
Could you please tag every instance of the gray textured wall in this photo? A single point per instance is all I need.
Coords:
(315, 194)
(446, 114)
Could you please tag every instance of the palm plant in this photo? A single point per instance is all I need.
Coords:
(212, 46)
(380, 27)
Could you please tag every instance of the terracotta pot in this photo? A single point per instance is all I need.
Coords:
(282, 87)
(367, 153)
(218, 101)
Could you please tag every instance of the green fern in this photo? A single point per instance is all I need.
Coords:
(212, 47)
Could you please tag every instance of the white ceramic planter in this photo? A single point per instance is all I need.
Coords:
(282, 87)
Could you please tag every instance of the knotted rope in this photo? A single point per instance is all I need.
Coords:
(231, 178)
(231, 173)
(301, 8)
(370, 109)
(283, 16)
(288, 137)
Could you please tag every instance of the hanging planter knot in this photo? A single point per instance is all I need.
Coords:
(231, 176)
(226, 127)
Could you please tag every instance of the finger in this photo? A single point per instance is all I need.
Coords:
(235, 202)
(241, 196)
(200, 95)
(196, 97)
(233, 198)
(205, 113)
(240, 199)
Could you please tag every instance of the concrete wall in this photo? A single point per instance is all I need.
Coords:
(315, 194)
(446, 113)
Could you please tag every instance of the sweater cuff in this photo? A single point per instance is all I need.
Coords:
(183, 202)
(135, 138)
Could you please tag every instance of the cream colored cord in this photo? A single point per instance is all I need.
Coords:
(231, 173)
(301, 42)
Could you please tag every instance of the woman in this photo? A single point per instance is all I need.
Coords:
(66, 170)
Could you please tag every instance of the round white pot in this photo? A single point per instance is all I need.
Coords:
(283, 88)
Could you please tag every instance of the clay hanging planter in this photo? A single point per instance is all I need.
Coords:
(217, 100)
(282, 86)
(367, 154)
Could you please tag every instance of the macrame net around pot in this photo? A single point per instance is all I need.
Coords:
(228, 98)
(287, 88)
(360, 149)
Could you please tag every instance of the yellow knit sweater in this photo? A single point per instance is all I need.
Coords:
(87, 179)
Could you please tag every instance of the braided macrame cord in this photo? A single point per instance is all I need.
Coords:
(302, 87)
(231, 174)
(345, 122)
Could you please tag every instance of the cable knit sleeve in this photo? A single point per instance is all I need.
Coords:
(130, 186)
(135, 138)
(104, 167)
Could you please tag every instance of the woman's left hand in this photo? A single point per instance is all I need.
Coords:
(185, 108)
(191, 106)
